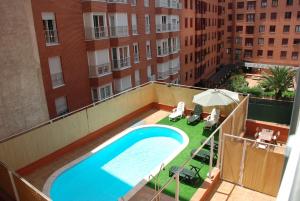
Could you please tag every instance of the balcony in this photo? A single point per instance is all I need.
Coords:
(119, 31)
(167, 28)
(163, 52)
(174, 70)
(117, 1)
(51, 37)
(147, 28)
(121, 64)
(96, 33)
(99, 70)
(163, 75)
(151, 78)
(57, 80)
(134, 30)
(136, 58)
(168, 4)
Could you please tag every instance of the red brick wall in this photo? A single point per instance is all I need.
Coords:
(71, 49)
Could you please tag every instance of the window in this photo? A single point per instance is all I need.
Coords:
(49, 26)
(239, 28)
(298, 15)
(262, 16)
(95, 25)
(260, 41)
(134, 24)
(240, 16)
(118, 24)
(272, 29)
(136, 57)
(185, 4)
(148, 50)
(56, 72)
(271, 41)
(284, 41)
(137, 77)
(296, 41)
(273, 16)
(250, 17)
(191, 40)
(229, 28)
(102, 92)
(270, 53)
(260, 53)
(147, 24)
(122, 84)
(191, 22)
(283, 54)
(186, 22)
(146, 3)
(149, 73)
(240, 5)
(99, 63)
(261, 28)
(289, 2)
(133, 2)
(191, 4)
(249, 29)
(286, 28)
(263, 3)
(288, 15)
(274, 3)
(238, 40)
(297, 28)
(230, 6)
(120, 57)
(295, 55)
(61, 105)
(248, 53)
(230, 17)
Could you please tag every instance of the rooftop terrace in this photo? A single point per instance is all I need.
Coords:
(37, 153)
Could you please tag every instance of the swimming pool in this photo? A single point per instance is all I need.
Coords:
(119, 167)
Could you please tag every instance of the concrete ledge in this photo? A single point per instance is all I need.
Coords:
(208, 186)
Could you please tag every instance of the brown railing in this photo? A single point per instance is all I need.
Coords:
(17, 188)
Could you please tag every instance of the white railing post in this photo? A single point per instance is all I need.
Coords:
(13, 185)
(211, 155)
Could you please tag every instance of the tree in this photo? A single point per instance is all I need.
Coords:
(279, 79)
(238, 83)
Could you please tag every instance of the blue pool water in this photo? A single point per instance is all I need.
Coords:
(114, 170)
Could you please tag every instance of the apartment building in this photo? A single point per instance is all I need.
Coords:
(202, 41)
(90, 50)
(262, 32)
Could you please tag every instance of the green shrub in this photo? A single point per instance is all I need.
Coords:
(288, 95)
(269, 93)
(256, 91)
(238, 83)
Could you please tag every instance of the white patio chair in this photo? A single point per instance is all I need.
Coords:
(177, 112)
(212, 119)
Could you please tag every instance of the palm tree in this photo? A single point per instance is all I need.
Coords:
(279, 79)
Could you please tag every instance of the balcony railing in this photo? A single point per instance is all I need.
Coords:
(119, 31)
(119, 64)
(174, 70)
(136, 58)
(134, 30)
(147, 28)
(94, 33)
(163, 51)
(163, 75)
(167, 4)
(57, 79)
(167, 27)
(117, 1)
(151, 78)
(51, 36)
(99, 70)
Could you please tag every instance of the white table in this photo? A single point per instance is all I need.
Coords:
(266, 135)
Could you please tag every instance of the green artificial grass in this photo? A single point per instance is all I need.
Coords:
(195, 133)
